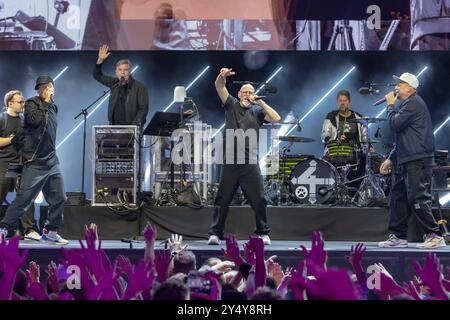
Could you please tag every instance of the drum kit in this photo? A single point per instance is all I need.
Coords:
(347, 175)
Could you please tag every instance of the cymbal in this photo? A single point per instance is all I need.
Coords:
(294, 139)
(366, 120)
(370, 141)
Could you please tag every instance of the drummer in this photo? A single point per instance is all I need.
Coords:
(336, 127)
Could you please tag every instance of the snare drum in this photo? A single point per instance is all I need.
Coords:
(341, 153)
(26, 40)
(313, 182)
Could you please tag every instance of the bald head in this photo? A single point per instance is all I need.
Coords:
(246, 91)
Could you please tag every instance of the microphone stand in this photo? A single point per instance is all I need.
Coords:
(84, 113)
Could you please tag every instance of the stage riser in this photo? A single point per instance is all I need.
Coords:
(287, 223)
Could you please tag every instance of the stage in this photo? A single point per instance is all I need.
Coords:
(291, 227)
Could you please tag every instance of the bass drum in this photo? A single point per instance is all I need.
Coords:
(313, 182)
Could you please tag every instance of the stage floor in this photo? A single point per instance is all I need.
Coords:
(202, 245)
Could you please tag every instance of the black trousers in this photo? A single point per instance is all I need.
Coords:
(8, 185)
(411, 194)
(248, 177)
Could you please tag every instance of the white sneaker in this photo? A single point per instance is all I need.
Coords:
(432, 241)
(266, 239)
(393, 242)
(213, 240)
(53, 237)
(32, 235)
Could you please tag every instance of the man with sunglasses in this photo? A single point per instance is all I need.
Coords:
(11, 122)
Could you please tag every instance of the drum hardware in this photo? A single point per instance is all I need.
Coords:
(294, 139)
(366, 120)
(370, 189)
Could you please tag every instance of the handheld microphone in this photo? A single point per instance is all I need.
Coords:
(377, 103)
(122, 80)
(260, 97)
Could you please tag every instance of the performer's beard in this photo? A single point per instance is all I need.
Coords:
(246, 103)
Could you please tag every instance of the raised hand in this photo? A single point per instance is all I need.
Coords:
(176, 243)
(411, 290)
(298, 281)
(257, 246)
(162, 261)
(232, 250)
(332, 284)
(92, 252)
(123, 265)
(37, 291)
(285, 279)
(432, 275)
(12, 258)
(356, 254)
(10, 261)
(249, 254)
(317, 254)
(227, 72)
(388, 286)
(33, 271)
(103, 53)
(52, 277)
(139, 280)
(149, 233)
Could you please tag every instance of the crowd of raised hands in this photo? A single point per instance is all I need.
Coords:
(241, 273)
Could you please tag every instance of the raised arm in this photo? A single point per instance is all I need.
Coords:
(98, 73)
(221, 82)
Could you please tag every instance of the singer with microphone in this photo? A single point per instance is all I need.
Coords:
(245, 114)
(128, 102)
(41, 170)
(411, 160)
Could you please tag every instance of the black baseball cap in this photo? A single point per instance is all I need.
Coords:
(42, 80)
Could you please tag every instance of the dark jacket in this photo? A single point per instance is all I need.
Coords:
(411, 123)
(37, 140)
(137, 99)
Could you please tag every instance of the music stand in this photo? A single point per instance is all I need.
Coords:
(164, 124)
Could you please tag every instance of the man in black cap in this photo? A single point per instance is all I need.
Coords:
(128, 103)
(41, 165)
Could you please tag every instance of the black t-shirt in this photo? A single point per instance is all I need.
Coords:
(349, 129)
(238, 117)
(119, 115)
(9, 125)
